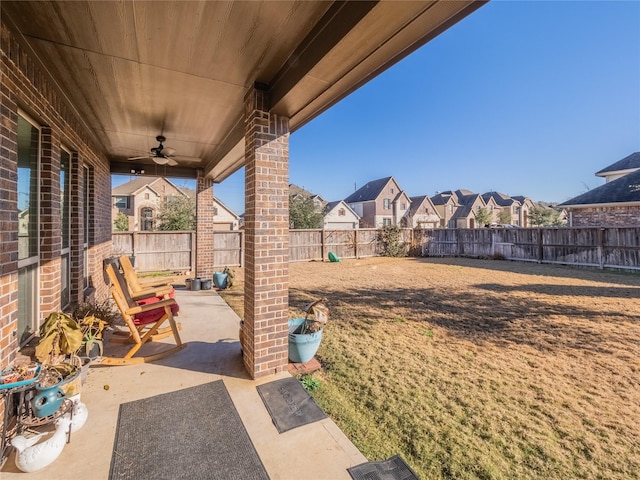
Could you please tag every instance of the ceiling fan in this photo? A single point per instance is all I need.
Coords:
(163, 155)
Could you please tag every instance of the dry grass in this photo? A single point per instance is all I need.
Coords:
(480, 368)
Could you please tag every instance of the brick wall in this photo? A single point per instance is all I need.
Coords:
(26, 87)
(267, 237)
(623, 216)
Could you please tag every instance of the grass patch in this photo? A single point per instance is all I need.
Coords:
(487, 370)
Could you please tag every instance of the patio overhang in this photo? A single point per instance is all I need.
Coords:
(134, 70)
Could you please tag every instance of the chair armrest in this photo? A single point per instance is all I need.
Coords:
(151, 292)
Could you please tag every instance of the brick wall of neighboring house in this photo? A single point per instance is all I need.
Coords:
(624, 216)
(266, 302)
(26, 88)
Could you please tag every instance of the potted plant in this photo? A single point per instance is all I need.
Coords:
(305, 333)
(60, 336)
(93, 319)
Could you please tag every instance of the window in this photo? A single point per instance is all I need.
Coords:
(386, 204)
(146, 216)
(123, 202)
(403, 206)
(386, 222)
(146, 196)
(28, 232)
(426, 210)
(65, 209)
(450, 208)
(86, 197)
(392, 191)
(341, 212)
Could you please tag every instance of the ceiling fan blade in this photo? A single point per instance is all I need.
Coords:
(171, 162)
(168, 151)
(186, 159)
(161, 160)
(138, 158)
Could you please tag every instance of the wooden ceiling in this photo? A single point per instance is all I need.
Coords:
(137, 69)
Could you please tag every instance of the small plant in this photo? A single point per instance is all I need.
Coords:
(389, 237)
(60, 335)
(309, 383)
(103, 310)
(427, 332)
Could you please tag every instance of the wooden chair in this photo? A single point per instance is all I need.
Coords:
(144, 322)
(142, 289)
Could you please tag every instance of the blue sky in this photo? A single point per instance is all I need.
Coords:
(523, 97)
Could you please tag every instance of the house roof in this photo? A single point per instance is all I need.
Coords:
(134, 186)
(622, 190)
(441, 198)
(332, 205)
(417, 202)
(369, 191)
(629, 162)
(500, 198)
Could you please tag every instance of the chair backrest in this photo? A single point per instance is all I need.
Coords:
(119, 288)
(130, 274)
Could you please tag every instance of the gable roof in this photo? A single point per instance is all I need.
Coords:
(629, 162)
(500, 198)
(622, 190)
(134, 186)
(417, 202)
(332, 205)
(441, 198)
(369, 191)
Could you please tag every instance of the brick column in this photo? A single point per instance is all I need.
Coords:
(204, 227)
(9, 230)
(266, 298)
(50, 225)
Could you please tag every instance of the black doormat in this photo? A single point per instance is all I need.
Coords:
(289, 405)
(195, 433)
(394, 468)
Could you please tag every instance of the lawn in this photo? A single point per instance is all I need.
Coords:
(480, 368)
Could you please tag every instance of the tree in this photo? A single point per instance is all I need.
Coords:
(483, 216)
(504, 217)
(390, 238)
(303, 213)
(177, 213)
(544, 216)
(121, 223)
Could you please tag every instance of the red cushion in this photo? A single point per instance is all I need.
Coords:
(148, 317)
(175, 308)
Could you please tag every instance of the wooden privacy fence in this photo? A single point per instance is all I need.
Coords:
(610, 247)
(176, 251)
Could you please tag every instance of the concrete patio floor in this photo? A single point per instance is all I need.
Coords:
(209, 326)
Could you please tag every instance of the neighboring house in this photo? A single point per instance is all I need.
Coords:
(616, 203)
(446, 205)
(465, 215)
(422, 213)
(518, 207)
(526, 204)
(296, 191)
(140, 200)
(339, 216)
(379, 203)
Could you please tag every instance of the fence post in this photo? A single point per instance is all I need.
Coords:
(540, 249)
(492, 232)
(322, 244)
(241, 252)
(134, 243)
(355, 243)
(192, 267)
(601, 237)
